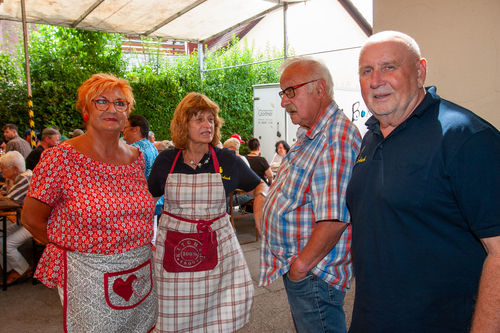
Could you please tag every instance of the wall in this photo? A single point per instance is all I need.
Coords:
(460, 40)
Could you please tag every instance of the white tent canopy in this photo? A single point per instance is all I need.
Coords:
(187, 20)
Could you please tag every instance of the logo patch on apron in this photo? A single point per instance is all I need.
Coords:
(187, 253)
(183, 253)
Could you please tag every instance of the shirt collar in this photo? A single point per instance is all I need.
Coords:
(328, 113)
(430, 98)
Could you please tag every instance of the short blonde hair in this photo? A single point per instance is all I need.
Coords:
(97, 84)
(192, 104)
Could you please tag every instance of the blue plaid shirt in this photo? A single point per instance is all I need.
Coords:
(310, 187)
(150, 152)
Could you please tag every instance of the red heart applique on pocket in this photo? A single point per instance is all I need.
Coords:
(124, 288)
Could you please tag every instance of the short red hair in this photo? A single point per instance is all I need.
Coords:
(97, 84)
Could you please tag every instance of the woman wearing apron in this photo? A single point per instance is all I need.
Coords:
(89, 202)
(203, 280)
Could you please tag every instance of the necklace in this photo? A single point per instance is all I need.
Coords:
(199, 164)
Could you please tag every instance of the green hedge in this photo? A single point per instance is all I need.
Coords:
(62, 58)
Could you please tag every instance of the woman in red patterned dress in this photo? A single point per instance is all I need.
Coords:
(89, 202)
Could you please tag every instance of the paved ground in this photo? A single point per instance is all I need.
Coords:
(36, 309)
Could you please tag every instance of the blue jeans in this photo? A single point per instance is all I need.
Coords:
(316, 306)
(240, 199)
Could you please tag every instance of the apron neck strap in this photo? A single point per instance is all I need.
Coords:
(175, 161)
(214, 159)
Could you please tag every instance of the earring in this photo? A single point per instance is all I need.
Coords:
(85, 117)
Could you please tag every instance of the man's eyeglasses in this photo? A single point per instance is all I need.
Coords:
(102, 104)
(290, 91)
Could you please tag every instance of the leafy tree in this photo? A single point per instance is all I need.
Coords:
(12, 98)
(62, 58)
(159, 89)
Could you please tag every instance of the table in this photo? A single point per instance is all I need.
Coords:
(7, 208)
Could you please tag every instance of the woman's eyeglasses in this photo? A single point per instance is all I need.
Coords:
(102, 104)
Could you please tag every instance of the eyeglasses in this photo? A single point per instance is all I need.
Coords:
(102, 104)
(290, 91)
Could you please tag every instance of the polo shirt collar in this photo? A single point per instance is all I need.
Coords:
(431, 97)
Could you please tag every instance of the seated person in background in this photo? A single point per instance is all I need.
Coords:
(240, 199)
(76, 132)
(14, 141)
(237, 137)
(50, 138)
(13, 168)
(234, 145)
(258, 163)
(282, 149)
(164, 145)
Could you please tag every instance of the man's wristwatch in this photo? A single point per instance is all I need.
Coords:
(264, 194)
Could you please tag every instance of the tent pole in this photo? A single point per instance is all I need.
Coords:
(28, 75)
(285, 46)
(200, 59)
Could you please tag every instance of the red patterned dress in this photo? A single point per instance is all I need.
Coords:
(97, 208)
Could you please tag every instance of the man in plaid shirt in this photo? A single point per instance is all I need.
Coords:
(306, 235)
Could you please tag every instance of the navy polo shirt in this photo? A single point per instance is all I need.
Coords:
(420, 200)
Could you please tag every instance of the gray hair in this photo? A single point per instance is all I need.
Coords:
(232, 142)
(317, 70)
(13, 159)
(76, 132)
(49, 131)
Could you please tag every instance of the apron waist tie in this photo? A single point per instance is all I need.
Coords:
(203, 227)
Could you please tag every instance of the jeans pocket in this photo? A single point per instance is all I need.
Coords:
(336, 296)
(308, 276)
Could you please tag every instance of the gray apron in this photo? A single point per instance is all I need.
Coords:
(110, 293)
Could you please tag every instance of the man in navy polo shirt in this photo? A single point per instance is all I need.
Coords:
(424, 203)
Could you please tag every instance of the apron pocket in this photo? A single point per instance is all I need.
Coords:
(127, 289)
(183, 253)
